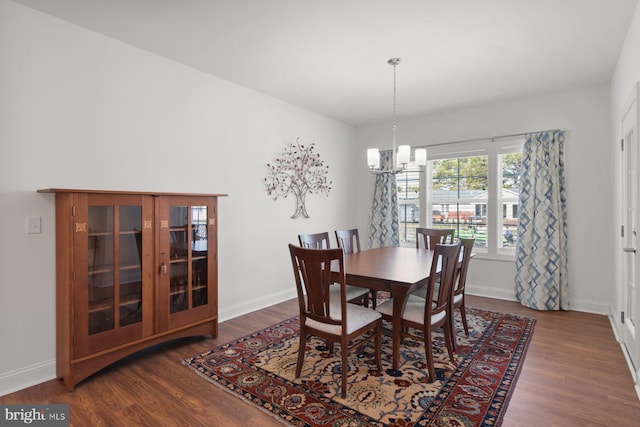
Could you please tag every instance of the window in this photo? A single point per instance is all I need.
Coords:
(472, 188)
(460, 183)
(409, 204)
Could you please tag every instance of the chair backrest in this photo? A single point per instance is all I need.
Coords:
(466, 248)
(427, 238)
(348, 240)
(314, 240)
(312, 271)
(445, 257)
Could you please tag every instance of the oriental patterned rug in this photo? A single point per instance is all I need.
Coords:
(473, 391)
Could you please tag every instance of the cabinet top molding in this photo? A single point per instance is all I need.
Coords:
(145, 193)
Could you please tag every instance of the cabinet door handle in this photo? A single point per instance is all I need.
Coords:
(633, 250)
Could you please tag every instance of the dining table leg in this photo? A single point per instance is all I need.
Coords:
(399, 301)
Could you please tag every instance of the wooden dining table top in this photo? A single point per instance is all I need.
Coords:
(394, 269)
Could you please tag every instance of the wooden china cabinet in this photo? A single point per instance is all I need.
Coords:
(133, 269)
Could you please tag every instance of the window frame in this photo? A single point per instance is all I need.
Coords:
(493, 149)
(404, 201)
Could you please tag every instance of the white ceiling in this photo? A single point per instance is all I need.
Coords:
(330, 56)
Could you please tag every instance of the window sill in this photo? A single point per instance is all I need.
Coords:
(496, 257)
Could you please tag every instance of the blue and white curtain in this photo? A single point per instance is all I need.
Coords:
(383, 230)
(541, 252)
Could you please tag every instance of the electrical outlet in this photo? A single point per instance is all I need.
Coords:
(34, 225)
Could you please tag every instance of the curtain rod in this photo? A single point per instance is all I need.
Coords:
(489, 138)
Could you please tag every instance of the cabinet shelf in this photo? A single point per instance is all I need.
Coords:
(107, 303)
(109, 267)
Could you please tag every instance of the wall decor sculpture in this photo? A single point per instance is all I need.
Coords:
(298, 171)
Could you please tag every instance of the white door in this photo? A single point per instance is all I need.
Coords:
(629, 232)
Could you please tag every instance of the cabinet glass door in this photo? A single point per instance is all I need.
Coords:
(114, 267)
(188, 249)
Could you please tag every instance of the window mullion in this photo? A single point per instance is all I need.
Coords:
(493, 200)
(425, 202)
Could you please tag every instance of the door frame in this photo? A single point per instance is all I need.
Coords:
(630, 336)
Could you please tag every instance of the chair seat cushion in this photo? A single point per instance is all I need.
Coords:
(457, 298)
(386, 308)
(357, 317)
(353, 292)
(413, 311)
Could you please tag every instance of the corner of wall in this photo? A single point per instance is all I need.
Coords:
(26, 377)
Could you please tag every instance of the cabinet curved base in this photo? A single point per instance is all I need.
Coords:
(74, 371)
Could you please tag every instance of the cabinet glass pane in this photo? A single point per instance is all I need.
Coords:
(199, 255)
(188, 263)
(178, 265)
(130, 264)
(101, 275)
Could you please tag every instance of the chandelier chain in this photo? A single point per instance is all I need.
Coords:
(395, 112)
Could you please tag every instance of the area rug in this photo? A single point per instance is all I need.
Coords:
(473, 391)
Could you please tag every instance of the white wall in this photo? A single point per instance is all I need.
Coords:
(583, 113)
(80, 110)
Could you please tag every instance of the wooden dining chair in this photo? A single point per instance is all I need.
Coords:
(321, 241)
(458, 290)
(349, 242)
(321, 315)
(427, 238)
(421, 314)
(314, 240)
(466, 247)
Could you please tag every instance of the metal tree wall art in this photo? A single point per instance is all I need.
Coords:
(297, 171)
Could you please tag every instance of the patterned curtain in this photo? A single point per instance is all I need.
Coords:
(383, 230)
(541, 252)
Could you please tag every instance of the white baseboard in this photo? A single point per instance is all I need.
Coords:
(489, 292)
(615, 326)
(634, 375)
(230, 312)
(26, 377)
(509, 295)
(590, 307)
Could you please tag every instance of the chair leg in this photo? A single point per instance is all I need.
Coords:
(344, 368)
(428, 351)
(448, 340)
(378, 345)
(452, 327)
(463, 316)
(301, 350)
(374, 299)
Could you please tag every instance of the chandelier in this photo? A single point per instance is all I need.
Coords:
(401, 154)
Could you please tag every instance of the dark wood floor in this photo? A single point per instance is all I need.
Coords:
(574, 374)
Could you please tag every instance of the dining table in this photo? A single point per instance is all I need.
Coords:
(398, 270)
